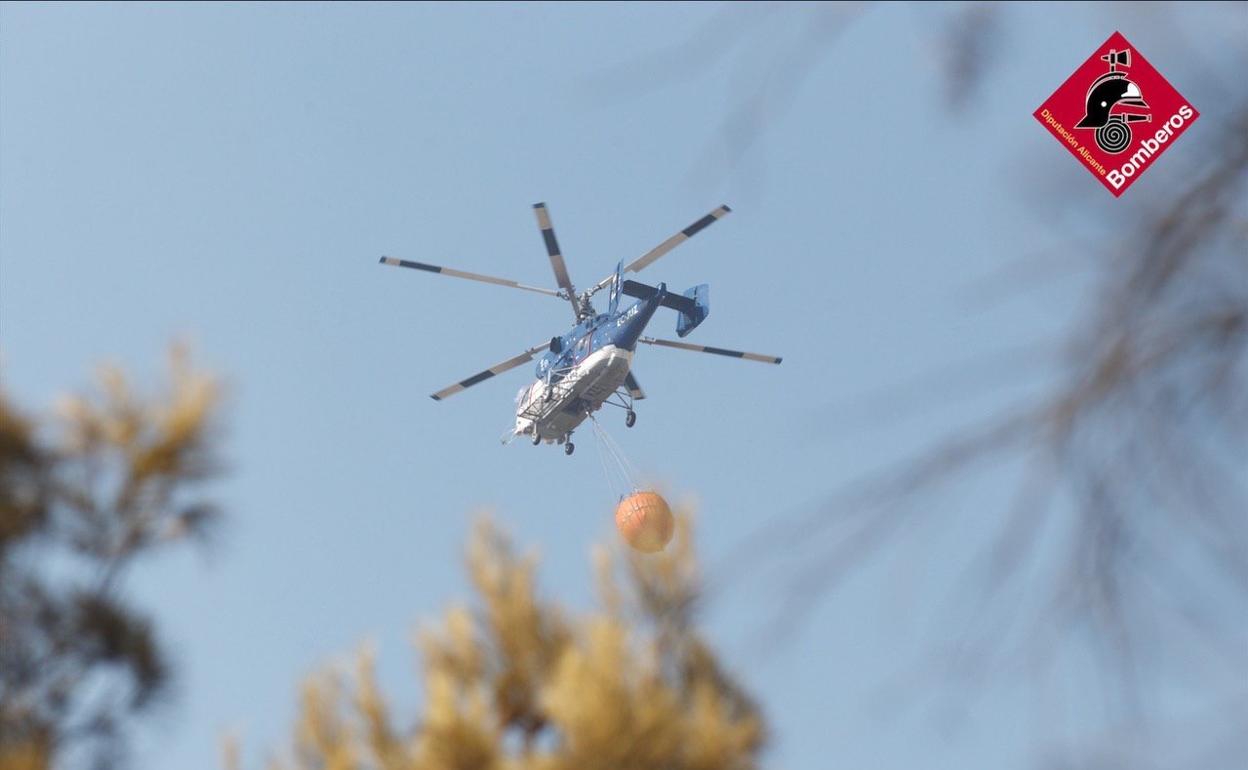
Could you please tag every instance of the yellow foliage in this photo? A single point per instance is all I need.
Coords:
(27, 757)
(519, 685)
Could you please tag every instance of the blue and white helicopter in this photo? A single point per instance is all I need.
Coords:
(589, 365)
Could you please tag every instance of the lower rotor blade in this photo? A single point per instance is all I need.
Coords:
(708, 349)
(482, 376)
(634, 387)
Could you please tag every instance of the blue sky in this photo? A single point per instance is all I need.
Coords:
(228, 175)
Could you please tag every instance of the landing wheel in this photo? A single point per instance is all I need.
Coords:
(537, 438)
(569, 448)
(630, 419)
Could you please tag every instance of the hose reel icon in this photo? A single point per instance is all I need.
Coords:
(1108, 94)
(1114, 136)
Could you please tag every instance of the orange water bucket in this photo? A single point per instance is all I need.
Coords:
(645, 521)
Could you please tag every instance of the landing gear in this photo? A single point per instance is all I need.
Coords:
(623, 398)
(569, 448)
(537, 438)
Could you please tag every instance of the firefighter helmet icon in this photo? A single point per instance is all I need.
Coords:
(1110, 102)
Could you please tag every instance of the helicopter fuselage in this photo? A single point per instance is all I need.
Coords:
(585, 367)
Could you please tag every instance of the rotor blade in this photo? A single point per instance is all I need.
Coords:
(556, 259)
(634, 387)
(709, 349)
(654, 254)
(510, 363)
(462, 274)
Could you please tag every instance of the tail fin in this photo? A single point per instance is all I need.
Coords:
(691, 317)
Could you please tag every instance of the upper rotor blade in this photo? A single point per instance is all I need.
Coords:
(709, 349)
(556, 258)
(510, 363)
(462, 274)
(658, 251)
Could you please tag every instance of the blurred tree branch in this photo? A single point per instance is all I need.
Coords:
(85, 494)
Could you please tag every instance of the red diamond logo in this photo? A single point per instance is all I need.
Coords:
(1116, 114)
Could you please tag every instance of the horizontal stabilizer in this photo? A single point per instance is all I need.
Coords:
(674, 301)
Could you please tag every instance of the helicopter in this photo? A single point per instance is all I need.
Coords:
(590, 365)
